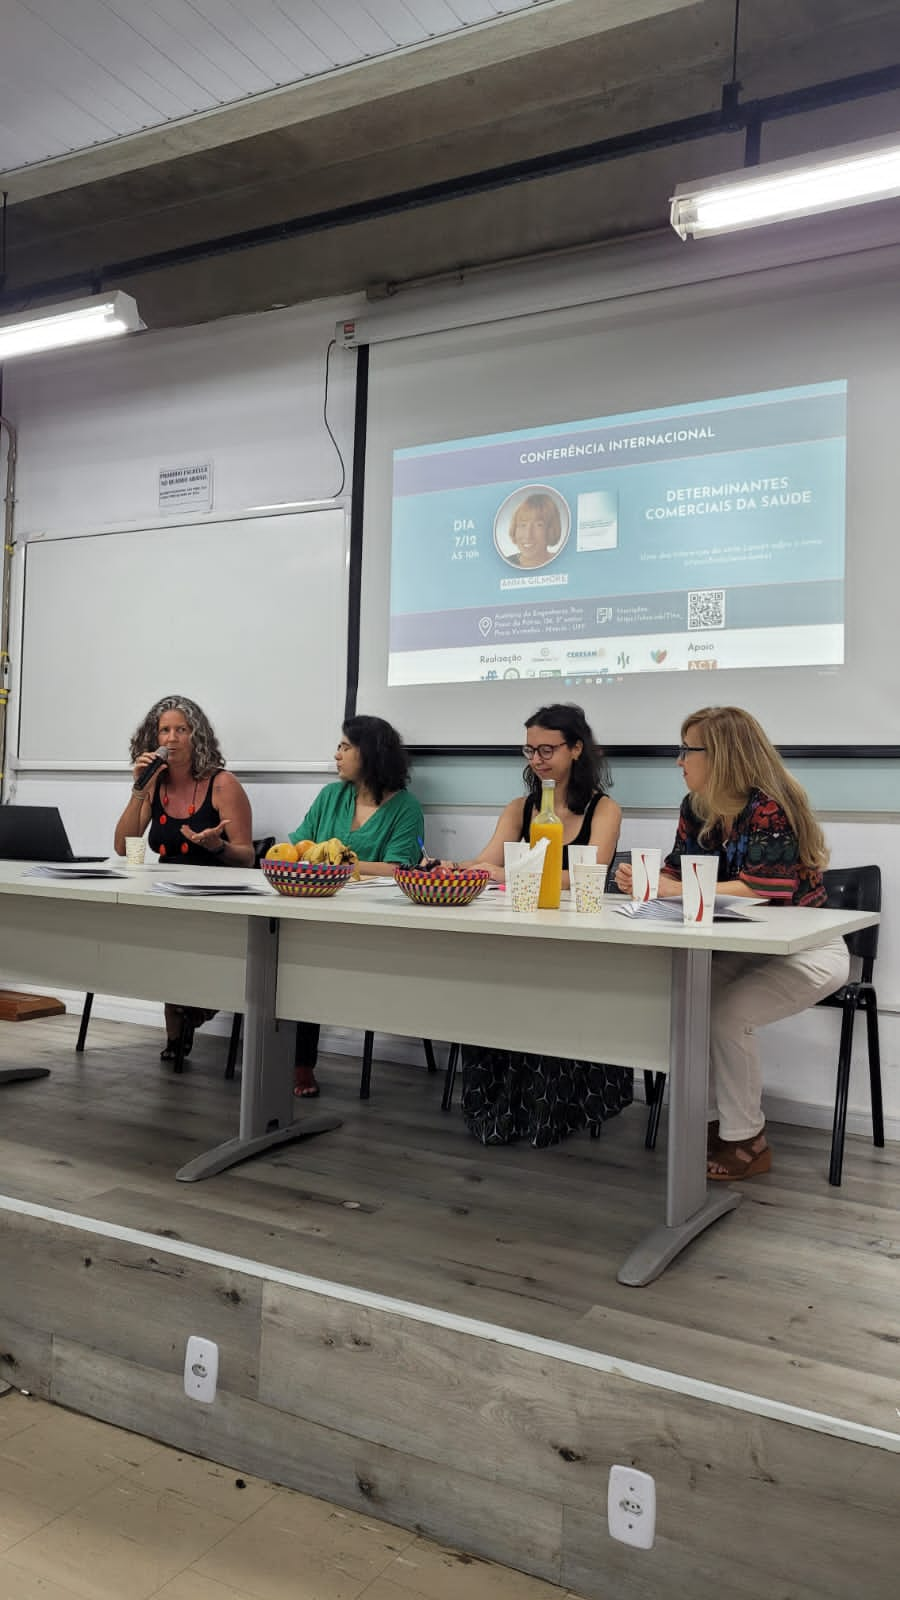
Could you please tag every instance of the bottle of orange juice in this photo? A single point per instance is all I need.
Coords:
(546, 825)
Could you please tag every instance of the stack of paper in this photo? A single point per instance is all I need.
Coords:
(73, 870)
(197, 887)
(671, 910)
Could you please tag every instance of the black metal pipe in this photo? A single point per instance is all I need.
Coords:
(623, 752)
(357, 502)
(731, 117)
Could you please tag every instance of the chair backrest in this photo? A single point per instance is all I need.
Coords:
(617, 861)
(857, 889)
(260, 846)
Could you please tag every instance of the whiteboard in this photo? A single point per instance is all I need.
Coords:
(246, 617)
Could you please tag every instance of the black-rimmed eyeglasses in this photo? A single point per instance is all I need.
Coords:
(691, 750)
(545, 751)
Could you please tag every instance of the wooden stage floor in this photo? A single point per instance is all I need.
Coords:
(792, 1297)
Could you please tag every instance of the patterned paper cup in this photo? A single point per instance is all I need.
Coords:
(699, 875)
(589, 883)
(645, 866)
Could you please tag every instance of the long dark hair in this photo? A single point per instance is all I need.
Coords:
(206, 755)
(384, 763)
(589, 771)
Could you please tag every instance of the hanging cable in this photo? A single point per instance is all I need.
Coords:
(337, 448)
(734, 42)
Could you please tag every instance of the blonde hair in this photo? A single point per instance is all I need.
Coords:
(540, 505)
(741, 758)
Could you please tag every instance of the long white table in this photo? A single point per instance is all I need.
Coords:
(600, 987)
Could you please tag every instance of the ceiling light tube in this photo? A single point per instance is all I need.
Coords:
(781, 190)
(72, 322)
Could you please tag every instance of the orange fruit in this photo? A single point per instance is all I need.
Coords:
(302, 847)
(283, 852)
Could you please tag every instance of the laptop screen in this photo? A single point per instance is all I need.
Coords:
(33, 833)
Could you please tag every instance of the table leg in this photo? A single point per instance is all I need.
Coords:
(690, 1205)
(268, 1108)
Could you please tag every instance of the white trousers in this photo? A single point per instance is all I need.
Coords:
(747, 992)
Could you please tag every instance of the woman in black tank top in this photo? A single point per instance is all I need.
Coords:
(513, 1094)
(560, 744)
(198, 814)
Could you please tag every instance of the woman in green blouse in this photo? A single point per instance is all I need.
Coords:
(371, 810)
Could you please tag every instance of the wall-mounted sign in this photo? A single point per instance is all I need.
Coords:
(186, 488)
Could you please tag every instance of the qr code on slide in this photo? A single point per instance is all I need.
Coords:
(706, 609)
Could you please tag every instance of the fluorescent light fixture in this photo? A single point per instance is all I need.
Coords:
(73, 322)
(826, 182)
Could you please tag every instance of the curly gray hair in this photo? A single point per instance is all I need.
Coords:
(206, 756)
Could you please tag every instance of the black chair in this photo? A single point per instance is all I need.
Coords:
(848, 889)
(365, 1082)
(855, 889)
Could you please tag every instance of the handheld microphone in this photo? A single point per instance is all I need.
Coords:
(161, 759)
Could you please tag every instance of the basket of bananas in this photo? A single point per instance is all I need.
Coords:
(309, 869)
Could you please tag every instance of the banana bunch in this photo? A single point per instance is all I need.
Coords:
(330, 850)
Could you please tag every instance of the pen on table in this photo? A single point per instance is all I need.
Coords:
(425, 860)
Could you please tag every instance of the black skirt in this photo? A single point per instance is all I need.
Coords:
(509, 1095)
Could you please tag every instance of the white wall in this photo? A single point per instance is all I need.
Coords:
(248, 393)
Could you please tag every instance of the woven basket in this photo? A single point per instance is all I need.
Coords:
(316, 878)
(454, 888)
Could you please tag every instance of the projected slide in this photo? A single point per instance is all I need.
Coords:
(698, 536)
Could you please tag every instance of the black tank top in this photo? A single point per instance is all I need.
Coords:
(583, 835)
(166, 837)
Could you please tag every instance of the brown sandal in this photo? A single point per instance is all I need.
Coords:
(736, 1159)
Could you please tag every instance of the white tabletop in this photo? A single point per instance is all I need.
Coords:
(775, 930)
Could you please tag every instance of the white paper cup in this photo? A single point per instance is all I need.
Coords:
(589, 883)
(582, 855)
(513, 851)
(645, 866)
(524, 889)
(699, 876)
(135, 851)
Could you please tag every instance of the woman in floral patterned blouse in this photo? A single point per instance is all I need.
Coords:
(744, 807)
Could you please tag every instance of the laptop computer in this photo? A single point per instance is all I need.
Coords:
(35, 833)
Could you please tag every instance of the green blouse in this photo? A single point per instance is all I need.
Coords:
(392, 833)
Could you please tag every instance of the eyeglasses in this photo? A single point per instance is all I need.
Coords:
(691, 750)
(545, 751)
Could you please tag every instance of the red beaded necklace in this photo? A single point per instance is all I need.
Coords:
(164, 797)
(164, 814)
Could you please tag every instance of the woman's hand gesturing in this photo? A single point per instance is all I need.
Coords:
(208, 838)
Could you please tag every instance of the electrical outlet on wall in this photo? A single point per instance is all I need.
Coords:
(201, 1369)
(631, 1507)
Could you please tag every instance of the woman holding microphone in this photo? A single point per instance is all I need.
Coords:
(744, 807)
(198, 814)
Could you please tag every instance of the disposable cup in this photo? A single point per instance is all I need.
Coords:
(645, 866)
(135, 851)
(524, 889)
(589, 884)
(699, 875)
(582, 855)
(513, 851)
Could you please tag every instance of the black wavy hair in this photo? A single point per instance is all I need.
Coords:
(589, 771)
(384, 763)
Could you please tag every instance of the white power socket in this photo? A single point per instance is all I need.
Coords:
(201, 1369)
(631, 1506)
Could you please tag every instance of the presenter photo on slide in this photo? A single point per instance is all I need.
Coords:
(531, 527)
